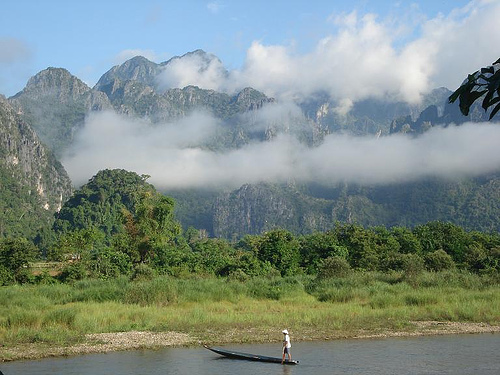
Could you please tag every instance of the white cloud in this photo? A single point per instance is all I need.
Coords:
(463, 41)
(194, 69)
(364, 56)
(168, 153)
(453, 152)
(282, 115)
(343, 107)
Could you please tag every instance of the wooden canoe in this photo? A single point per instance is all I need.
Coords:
(250, 357)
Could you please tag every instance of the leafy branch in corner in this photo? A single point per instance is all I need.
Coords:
(484, 81)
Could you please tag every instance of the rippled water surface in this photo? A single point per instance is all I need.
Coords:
(454, 354)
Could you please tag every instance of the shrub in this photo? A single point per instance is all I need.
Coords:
(475, 259)
(143, 272)
(332, 267)
(408, 263)
(438, 260)
(72, 272)
(238, 275)
(45, 278)
(6, 277)
(413, 264)
(281, 249)
(107, 263)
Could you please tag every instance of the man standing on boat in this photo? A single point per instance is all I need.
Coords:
(286, 346)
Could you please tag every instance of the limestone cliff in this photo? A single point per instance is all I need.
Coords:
(33, 184)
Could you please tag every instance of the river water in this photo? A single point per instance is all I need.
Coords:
(477, 354)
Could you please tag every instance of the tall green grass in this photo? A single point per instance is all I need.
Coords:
(220, 309)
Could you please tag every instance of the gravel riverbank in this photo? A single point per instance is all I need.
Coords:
(107, 342)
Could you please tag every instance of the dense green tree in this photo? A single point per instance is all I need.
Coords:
(15, 257)
(6, 276)
(152, 227)
(475, 258)
(173, 260)
(333, 266)
(215, 256)
(438, 260)
(100, 202)
(409, 263)
(107, 263)
(318, 246)
(73, 271)
(76, 244)
(281, 249)
(362, 245)
(449, 237)
(386, 246)
(249, 243)
(192, 234)
(115, 220)
(408, 242)
(249, 264)
(494, 259)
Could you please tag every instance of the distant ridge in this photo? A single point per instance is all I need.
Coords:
(55, 103)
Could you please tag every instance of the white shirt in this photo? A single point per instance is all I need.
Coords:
(287, 342)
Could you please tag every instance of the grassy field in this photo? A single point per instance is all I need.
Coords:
(221, 310)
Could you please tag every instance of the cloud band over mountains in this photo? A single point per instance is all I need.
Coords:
(364, 57)
(166, 153)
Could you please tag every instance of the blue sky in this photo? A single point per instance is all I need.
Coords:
(89, 37)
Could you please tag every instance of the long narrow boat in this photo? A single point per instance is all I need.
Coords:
(250, 357)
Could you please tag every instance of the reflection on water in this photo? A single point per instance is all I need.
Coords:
(455, 354)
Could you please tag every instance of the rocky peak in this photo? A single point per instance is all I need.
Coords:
(250, 99)
(204, 58)
(54, 103)
(137, 68)
(54, 82)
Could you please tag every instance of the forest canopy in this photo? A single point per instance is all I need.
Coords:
(118, 224)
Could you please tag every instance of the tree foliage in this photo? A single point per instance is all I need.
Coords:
(483, 83)
(15, 257)
(317, 247)
(281, 249)
(118, 224)
(333, 266)
(101, 201)
(151, 226)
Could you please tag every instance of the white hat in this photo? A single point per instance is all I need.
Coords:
(285, 332)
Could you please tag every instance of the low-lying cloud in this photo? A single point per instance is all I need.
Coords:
(168, 153)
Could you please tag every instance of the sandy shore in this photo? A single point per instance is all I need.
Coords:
(107, 342)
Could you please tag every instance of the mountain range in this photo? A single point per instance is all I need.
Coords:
(40, 125)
